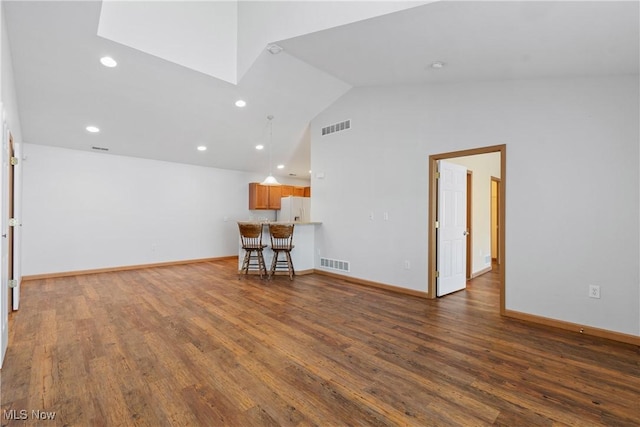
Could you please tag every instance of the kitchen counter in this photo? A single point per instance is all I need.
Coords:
(302, 254)
(292, 222)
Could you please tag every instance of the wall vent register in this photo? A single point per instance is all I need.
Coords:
(334, 264)
(338, 127)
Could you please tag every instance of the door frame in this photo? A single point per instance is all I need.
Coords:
(469, 247)
(433, 205)
(498, 182)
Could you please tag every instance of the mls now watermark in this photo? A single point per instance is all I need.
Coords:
(23, 414)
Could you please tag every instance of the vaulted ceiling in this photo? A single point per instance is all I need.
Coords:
(182, 65)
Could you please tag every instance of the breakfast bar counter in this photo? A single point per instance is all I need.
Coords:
(302, 254)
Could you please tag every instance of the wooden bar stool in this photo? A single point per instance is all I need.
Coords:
(251, 237)
(281, 242)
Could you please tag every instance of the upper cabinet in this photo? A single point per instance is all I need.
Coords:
(258, 196)
(275, 194)
(287, 190)
(292, 190)
(268, 196)
(264, 196)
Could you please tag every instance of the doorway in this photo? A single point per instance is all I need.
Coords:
(433, 206)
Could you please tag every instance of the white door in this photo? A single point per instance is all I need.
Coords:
(4, 245)
(451, 234)
(17, 230)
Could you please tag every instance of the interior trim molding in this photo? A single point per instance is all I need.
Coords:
(581, 329)
(122, 268)
(371, 284)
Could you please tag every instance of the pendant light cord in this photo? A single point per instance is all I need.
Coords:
(270, 180)
(270, 145)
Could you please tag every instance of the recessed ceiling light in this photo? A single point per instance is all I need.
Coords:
(274, 49)
(437, 65)
(280, 166)
(241, 103)
(202, 148)
(108, 61)
(259, 147)
(92, 129)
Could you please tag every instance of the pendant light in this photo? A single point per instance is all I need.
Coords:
(270, 180)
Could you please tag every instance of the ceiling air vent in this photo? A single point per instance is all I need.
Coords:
(338, 127)
(99, 148)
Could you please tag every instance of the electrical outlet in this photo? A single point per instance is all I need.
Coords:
(371, 216)
(385, 216)
(594, 291)
(407, 265)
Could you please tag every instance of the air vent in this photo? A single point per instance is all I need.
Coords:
(99, 148)
(334, 264)
(338, 127)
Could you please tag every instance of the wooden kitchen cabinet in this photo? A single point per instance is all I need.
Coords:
(292, 190)
(258, 196)
(264, 196)
(287, 190)
(275, 194)
(268, 197)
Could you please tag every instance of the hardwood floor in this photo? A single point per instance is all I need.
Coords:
(194, 345)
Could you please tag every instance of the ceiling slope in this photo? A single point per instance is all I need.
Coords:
(155, 108)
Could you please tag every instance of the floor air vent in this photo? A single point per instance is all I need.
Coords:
(334, 264)
(338, 127)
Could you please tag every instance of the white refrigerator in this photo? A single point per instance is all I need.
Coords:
(295, 209)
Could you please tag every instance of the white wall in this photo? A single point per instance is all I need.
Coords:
(85, 210)
(9, 100)
(483, 166)
(572, 187)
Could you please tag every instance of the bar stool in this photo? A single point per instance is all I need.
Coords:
(281, 242)
(251, 237)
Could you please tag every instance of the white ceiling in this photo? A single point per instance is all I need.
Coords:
(479, 40)
(155, 108)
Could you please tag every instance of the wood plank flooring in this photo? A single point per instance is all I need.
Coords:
(195, 346)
